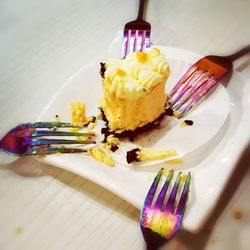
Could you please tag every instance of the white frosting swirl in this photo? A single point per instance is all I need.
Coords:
(135, 75)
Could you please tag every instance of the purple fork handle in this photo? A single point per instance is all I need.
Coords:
(141, 10)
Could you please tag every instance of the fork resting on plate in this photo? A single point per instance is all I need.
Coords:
(31, 139)
(199, 79)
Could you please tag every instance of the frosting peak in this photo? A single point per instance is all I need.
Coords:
(135, 75)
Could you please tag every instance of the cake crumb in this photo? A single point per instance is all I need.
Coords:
(102, 69)
(143, 155)
(111, 143)
(57, 118)
(175, 161)
(78, 113)
(19, 230)
(91, 122)
(237, 214)
(133, 155)
(91, 126)
(186, 123)
(169, 112)
(100, 155)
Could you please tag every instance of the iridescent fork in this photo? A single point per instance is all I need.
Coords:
(31, 139)
(199, 79)
(160, 218)
(136, 36)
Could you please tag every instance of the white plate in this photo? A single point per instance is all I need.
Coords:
(211, 157)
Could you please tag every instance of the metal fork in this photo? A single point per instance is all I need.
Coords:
(136, 36)
(160, 219)
(30, 139)
(199, 79)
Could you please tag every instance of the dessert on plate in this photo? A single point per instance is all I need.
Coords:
(134, 91)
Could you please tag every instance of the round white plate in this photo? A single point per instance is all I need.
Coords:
(200, 145)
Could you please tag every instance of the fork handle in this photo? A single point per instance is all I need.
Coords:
(141, 10)
(239, 53)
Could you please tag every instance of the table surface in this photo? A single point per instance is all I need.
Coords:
(42, 43)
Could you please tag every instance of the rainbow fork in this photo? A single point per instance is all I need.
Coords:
(38, 138)
(136, 35)
(160, 219)
(200, 78)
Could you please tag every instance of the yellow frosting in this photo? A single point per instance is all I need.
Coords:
(134, 89)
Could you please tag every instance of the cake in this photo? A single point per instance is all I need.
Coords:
(141, 155)
(134, 90)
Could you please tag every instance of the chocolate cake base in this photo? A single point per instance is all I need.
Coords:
(131, 134)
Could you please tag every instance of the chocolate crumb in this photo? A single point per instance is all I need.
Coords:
(114, 147)
(102, 69)
(169, 112)
(86, 124)
(189, 122)
(237, 214)
(93, 119)
(105, 131)
(132, 155)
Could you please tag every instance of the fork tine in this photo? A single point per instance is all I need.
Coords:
(45, 141)
(147, 39)
(128, 45)
(135, 41)
(125, 43)
(38, 133)
(171, 200)
(195, 100)
(141, 40)
(51, 150)
(182, 202)
(152, 190)
(162, 194)
(131, 41)
(53, 124)
(184, 78)
(185, 86)
(202, 79)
